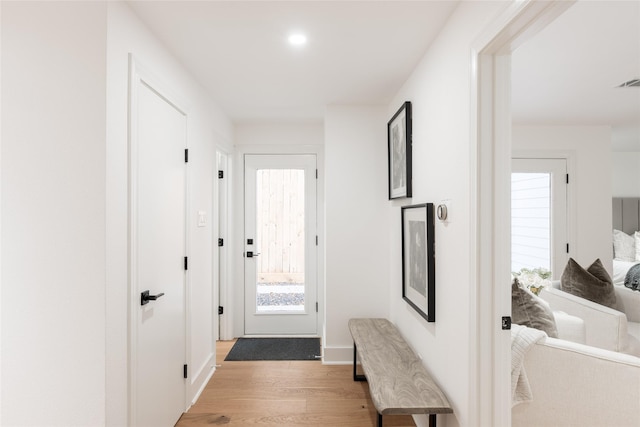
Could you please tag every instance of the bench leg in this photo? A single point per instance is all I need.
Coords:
(356, 377)
(432, 420)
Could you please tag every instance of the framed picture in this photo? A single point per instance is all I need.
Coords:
(418, 259)
(399, 146)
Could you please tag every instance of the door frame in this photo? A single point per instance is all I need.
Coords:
(139, 74)
(238, 229)
(221, 226)
(490, 169)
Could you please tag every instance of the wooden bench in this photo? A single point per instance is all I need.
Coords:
(399, 384)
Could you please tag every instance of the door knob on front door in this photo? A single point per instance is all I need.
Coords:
(145, 297)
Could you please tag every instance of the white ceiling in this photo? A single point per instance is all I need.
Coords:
(568, 73)
(358, 52)
(361, 52)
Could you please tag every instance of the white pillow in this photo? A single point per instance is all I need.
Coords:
(620, 269)
(624, 246)
(637, 236)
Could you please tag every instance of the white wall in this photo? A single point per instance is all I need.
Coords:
(364, 271)
(625, 171)
(440, 92)
(268, 138)
(207, 129)
(277, 134)
(357, 223)
(53, 219)
(588, 149)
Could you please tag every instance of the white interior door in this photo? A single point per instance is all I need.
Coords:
(158, 174)
(280, 244)
(539, 215)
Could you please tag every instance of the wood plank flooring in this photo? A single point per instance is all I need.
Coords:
(286, 394)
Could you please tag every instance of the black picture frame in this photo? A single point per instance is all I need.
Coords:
(418, 259)
(399, 133)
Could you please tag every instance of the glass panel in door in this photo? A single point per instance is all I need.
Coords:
(280, 240)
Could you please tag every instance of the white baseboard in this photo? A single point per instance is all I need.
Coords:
(202, 377)
(337, 355)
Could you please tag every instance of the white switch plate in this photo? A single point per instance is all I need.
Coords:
(202, 219)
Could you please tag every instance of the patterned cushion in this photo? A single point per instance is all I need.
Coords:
(632, 279)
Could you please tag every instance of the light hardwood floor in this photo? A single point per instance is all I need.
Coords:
(284, 393)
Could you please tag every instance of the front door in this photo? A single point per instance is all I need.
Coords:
(157, 224)
(280, 244)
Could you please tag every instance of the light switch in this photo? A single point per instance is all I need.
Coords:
(202, 219)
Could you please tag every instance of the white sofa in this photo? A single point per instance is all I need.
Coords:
(578, 385)
(605, 328)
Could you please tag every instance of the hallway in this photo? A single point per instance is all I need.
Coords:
(284, 393)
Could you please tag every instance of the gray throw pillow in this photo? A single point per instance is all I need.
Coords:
(593, 284)
(530, 310)
(632, 279)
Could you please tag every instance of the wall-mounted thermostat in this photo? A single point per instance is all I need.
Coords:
(443, 211)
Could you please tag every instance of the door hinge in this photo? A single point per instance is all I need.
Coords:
(316, 306)
(220, 242)
(567, 248)
(506, 323)
(220, 309)
(186, 263)
(567, 178)
(316, 173)
(184, 371)
(186, 155)
(220, 174)
(316, 240)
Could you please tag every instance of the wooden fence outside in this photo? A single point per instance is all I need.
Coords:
(280, 226)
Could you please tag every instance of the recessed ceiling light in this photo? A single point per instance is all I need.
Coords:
(297, 39)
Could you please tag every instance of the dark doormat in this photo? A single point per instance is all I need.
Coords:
(275, 349)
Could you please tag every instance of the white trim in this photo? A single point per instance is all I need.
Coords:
(490, 154)
(337, 355)
(220, 228)
(200, 379)
(203, 384)
(139, 75)
(1, 329)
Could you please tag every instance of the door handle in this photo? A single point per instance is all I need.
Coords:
(251, 254)
(145, 297)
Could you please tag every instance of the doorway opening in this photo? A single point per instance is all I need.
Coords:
(490, 200)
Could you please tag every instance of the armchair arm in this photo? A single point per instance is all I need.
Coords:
(628, 302)
(578, 385)
(605, 328)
